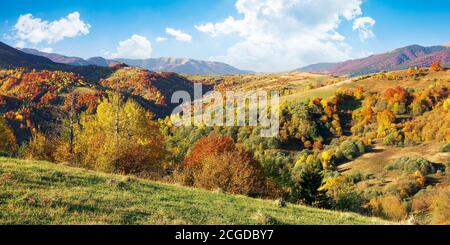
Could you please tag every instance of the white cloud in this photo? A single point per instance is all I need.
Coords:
(179, 35)
(136, 47)
(364, 27)
(35, 30)
(161, 39)
(279, 35)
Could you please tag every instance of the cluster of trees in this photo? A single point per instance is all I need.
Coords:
(216, 162)
(8, 144)
(120, 136)
(311, 125)
(402, 117)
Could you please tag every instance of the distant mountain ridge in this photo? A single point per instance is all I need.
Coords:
(401, 58)
(163, 64)
(11, 58)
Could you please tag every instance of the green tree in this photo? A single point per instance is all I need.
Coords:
(310, 181)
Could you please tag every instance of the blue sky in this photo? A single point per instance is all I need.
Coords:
(260, 35)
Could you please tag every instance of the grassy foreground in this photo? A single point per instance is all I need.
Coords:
(34, 192)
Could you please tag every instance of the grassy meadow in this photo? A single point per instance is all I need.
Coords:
(38, 192)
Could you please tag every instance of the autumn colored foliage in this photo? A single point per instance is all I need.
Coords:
(8, 145)
(215, 162)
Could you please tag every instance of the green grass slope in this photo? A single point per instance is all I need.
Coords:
(33, 192)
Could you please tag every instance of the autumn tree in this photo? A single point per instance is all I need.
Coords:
(130, 145)
(385, 122)
(436, 66)
(8, 145)
(215, 162)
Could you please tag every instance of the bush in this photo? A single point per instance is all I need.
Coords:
(350, 201)
(355, 177)
(350, 150)
(8, 145)
(404, 186)
(390, 207)
(412, 164)
(40, 147)
(215, 162)
(421, 202)
(447, 169)
(440, 208)
(446, 148)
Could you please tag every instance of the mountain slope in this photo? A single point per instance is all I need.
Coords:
(57, 57)
(11, 58)
(397, 59)
(185, 66)
(33, 192)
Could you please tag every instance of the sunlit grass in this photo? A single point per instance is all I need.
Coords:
(35, 192)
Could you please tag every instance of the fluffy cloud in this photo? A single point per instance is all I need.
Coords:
(364, 27)
(35, 30)
(136, 47)
(179, 35)
(277, 35)
(161, 39)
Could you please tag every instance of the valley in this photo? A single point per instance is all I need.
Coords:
(361, 146)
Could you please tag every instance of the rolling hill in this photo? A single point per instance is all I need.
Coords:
(398, 59)
(11, 58)
(185, 66)
(36, 192)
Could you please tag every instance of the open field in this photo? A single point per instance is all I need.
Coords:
(380, 156)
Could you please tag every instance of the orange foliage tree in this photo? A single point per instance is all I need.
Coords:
(215, 162)
(436, 66)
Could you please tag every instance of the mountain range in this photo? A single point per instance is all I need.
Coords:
(11, 58)
(401, 58)
(163, 64)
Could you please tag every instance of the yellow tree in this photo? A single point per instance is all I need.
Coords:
(121, 139)
(8, 145)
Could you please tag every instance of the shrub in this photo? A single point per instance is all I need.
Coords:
(404, 186)
(446, 148)
(421, 202)
(350, 150)
(436, 66)
(412, 164)
(8, 145)
(440, 208)
(350, 201)
(40, 147)
(215, 162)
(447, 169)
(355, 177)
(213, 144)
(390, 207)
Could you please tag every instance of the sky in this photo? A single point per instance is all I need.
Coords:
(259, 35)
